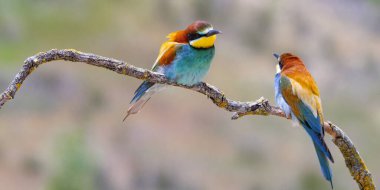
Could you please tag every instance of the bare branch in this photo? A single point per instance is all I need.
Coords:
(262, 106)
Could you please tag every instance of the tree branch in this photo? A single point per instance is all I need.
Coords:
(262, 106)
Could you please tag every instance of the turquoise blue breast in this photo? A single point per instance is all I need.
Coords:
(190, 65)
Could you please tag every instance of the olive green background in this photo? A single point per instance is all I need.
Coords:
(64, 130)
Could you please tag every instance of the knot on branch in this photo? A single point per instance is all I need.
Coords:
(259, 107)
(264, 108)
(220, 101)
(4, 98)
(32, 62)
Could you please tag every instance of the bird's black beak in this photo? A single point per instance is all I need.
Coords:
(213, 32)
(276, 56)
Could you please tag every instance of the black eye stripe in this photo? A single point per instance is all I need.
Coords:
(280, 64)
(193, 36)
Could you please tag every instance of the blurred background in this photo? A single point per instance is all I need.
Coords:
(64, 130)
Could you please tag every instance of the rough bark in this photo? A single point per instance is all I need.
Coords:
(354, 162)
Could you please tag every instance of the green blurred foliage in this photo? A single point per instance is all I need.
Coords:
(25, 26)
(74, 170)
(311, 181)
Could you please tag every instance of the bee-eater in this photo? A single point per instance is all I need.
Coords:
(184, 58)
(297, 94)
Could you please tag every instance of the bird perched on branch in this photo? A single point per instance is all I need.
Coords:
(297, 94)
(184, 58)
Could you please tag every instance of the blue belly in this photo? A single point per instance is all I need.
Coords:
(190, 65)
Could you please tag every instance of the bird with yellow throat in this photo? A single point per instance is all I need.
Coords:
(184, 58)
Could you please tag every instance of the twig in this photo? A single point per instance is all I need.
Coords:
(262, 106)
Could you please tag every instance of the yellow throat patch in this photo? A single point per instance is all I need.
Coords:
(204, 42)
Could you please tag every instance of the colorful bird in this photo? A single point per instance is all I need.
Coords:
(297, 94)
(184, 58)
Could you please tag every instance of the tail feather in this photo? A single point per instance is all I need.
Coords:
(140, 91)
(318, 141)
(323, 152)
(325, 167)
(136, 106)
(142, 96)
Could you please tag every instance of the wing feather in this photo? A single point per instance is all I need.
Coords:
(305, 104)
(167, 54)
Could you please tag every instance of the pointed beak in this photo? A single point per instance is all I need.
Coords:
(276, 56)
(213, 32)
